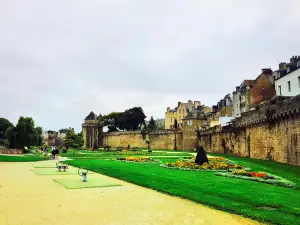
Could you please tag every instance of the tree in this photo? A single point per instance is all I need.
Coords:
(151, 124)
(4, 125)
(112, 121)
(65, 130)
(73, 140)
(175, 124)
(24, 134)
(131, 119)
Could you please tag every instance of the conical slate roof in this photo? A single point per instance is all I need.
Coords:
(91, 116)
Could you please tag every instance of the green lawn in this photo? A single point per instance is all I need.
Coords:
(97, 154)
(228, 194)
(13, 158)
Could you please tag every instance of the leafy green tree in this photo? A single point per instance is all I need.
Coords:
(112, 121)
(4, 125)
(131, 119)
(73, 140)
(24, 134)
(152, 124)
(64, 130)
(10, 134)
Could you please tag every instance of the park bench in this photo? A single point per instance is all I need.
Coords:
(61, 166)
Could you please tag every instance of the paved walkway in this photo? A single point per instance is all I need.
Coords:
(29, 199)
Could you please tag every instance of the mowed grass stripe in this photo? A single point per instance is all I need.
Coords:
(234, 195)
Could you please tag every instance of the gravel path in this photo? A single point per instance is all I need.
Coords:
(29, 199)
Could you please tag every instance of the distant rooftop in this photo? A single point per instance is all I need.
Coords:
(91, 116)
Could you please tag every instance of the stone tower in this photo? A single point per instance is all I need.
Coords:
(92, 132)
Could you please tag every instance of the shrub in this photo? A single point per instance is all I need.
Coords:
(64, 150)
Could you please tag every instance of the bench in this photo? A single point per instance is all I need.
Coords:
(61, 166)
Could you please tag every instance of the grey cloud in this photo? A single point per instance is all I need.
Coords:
(61, 59)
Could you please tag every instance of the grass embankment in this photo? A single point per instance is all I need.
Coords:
(21, 158)
(282, 205)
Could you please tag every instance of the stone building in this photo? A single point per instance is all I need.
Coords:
(92, 132)
(160, 124)
(194, 121)
(263, 89)
(287, 78)
(53, 138)
(179, 113)
(222, 109)
(241, 98)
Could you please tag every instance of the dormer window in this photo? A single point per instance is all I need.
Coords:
(298, 64)
(288, 70)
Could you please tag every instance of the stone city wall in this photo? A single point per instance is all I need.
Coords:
(158, 140)
(272, 132)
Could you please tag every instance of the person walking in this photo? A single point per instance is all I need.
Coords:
(57, 153)
(45, 150)
(53, 152)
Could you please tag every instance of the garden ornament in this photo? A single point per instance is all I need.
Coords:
(83, 172)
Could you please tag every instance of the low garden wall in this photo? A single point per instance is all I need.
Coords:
(12, 151)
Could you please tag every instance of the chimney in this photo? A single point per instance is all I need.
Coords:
(282, 65)
(266, 71)
(293, 59)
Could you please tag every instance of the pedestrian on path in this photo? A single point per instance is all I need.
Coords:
(53, 152)
(57, 153)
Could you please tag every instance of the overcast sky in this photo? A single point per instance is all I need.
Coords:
(61, 59)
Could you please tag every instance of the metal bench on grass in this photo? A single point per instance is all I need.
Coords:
(60, 166)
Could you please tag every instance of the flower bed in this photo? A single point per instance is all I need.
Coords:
(259, 177)
(193, 158)
(214, 164)
(138, 159)
(125, 152)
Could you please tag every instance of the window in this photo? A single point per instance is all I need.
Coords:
(289, 86)
(299, 81)
(179, 110)
(183, 111)
(190, 122)
(279, 87)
